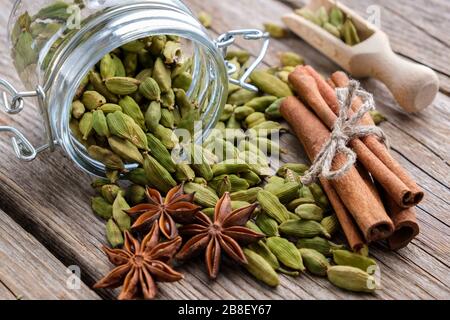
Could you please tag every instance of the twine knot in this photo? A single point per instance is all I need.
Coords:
(345, 129)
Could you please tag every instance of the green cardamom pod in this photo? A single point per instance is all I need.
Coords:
(109, 192)
(260, 268)
(149, 88)
(101, 207)
(350, 33)
(167, 136)
(305, 193)
(172, 52)
(294, 204)
(110, 108)
(352, 279)
(286, 253)
(183, 81)
(249, 195)
(223, 186)
(315, 262)
(132, 109)
(168, 100)
(114, 234)
(145, 59)
(97, 82)
(336, 17)
(243, 112)
(162, 75)
(167, 119)
(377, 117)
(229, 168)
(153, 115)
(263, 250)
(237, 184)
(205, 19)
(276, 31)
(203, 196)
(239, 205)
(241, 55)
(268, 225)
(241, 97)
(286, 192)
(119, 68)
(298, 168)
(272, 206)
(322, 14)
(308, 15)
(133, 46)
(86, 125)
(123, 126)
(99, 123)
(347, 258)
(183, 102)
(157, 45)
(303, 229)
(332, 29)
(185, 173)
(291, 59)
(78, 109)
(260, 104)
(107, 157)
(252, 178)
(157, 174)
(320, 196)
(126, 150)
(273, 111)
(119, 206)
(136, 194)
(130, 63)
(122, 85)
(319, 244)
(252, 226)
(93, 100)
(107, 67)
(254, 119)
(331, 224)
(309, 212)
(144, 74)
(138, 176)
(160, 153)
(270, 84)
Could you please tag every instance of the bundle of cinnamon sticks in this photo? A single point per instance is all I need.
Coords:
(374, 200)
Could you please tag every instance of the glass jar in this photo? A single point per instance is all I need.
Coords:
(54, 44)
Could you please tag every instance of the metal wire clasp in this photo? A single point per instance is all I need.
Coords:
(227, 39)
(22, 146)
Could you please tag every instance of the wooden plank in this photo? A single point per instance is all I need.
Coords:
(29, 271)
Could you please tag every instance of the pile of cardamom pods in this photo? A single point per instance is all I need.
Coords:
(125, 112)
(334, 21)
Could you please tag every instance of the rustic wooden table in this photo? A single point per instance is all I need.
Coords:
(46, 223)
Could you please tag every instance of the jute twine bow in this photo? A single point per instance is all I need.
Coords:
(345, 129)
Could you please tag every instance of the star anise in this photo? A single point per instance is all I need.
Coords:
(176, 207)
(140, 265)
(225, 233)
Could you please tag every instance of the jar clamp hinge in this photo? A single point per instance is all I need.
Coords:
(22, 146)
(227, 39)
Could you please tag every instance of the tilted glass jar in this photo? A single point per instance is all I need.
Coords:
(54, 44)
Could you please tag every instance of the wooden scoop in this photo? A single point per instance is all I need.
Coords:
(413, 85)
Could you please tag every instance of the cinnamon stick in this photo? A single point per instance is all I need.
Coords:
(405, 221)
(348, 225)
(362, 204)
(311, 90)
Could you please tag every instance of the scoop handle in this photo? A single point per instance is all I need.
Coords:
(414, 86)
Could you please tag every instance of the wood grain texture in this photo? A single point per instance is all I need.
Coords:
(49, 197)
(29, 271)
